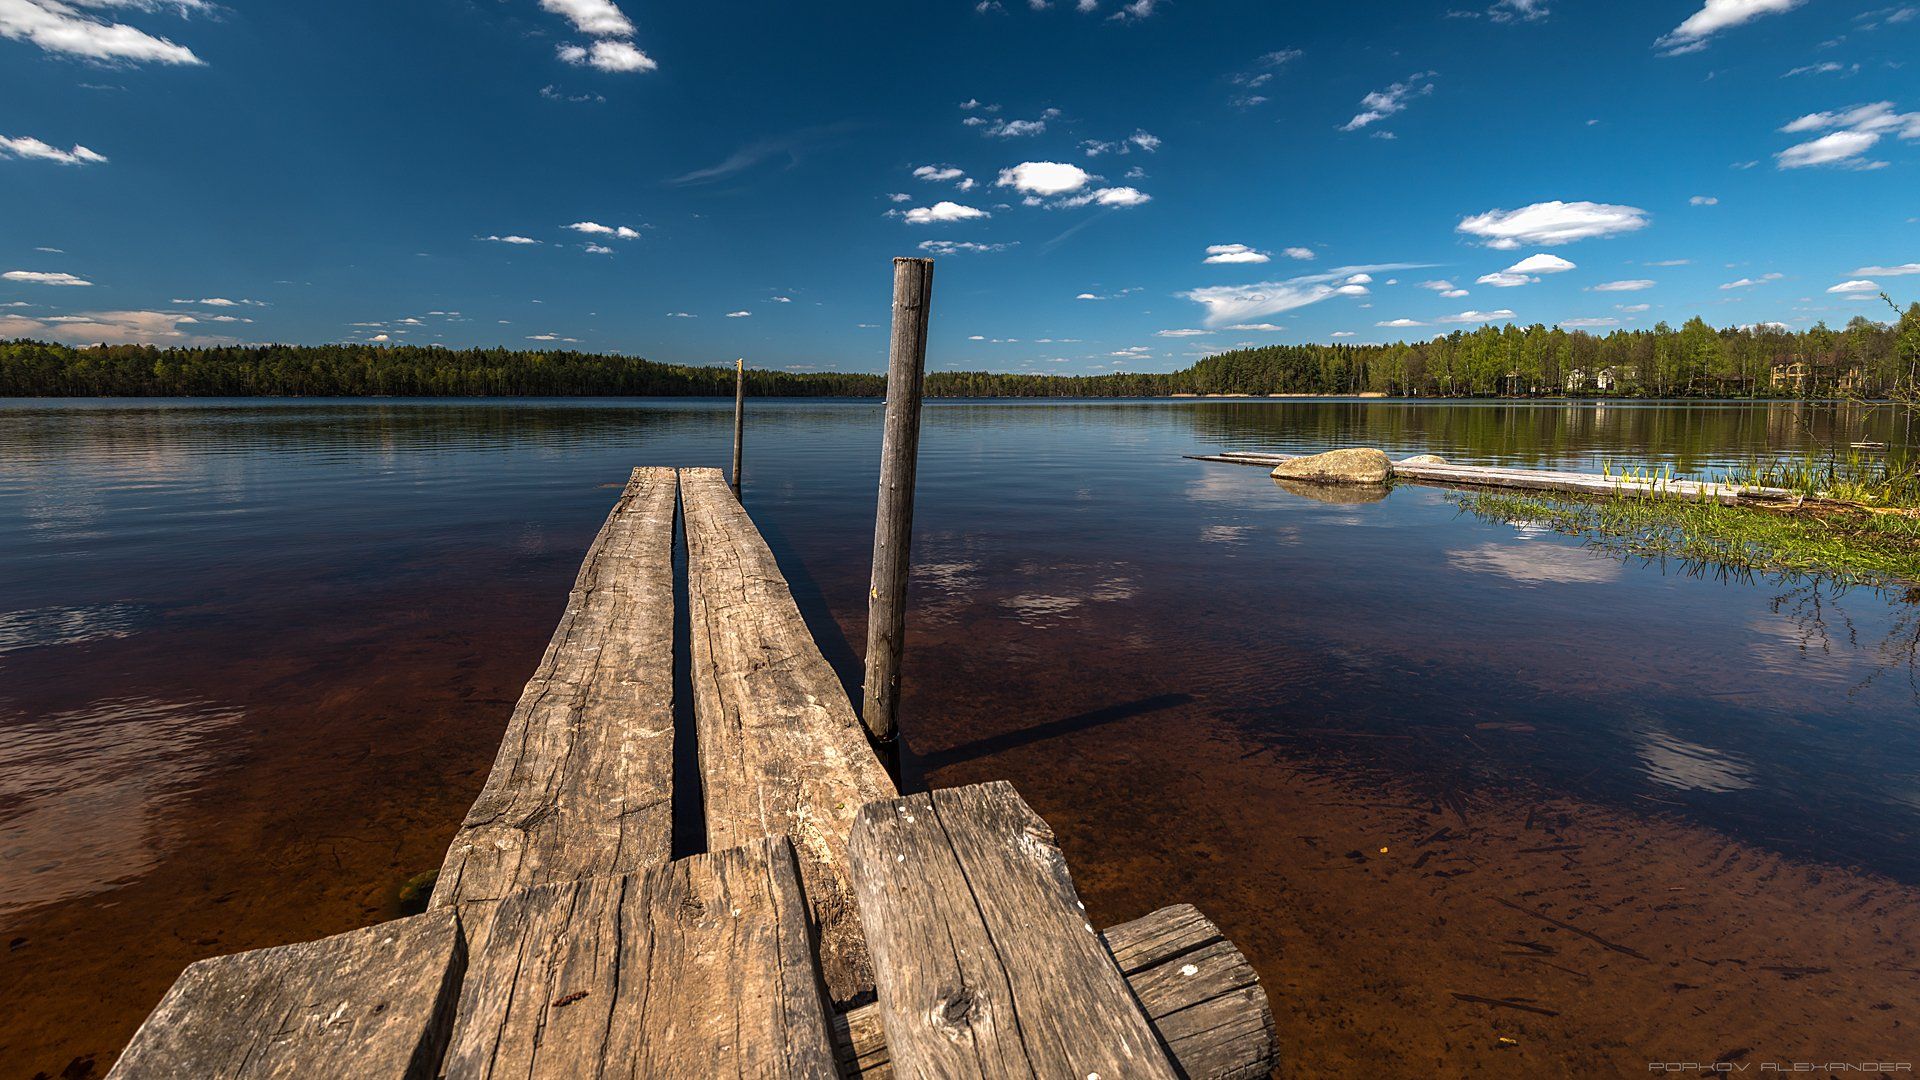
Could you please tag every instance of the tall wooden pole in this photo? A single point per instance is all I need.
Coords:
(893, 522)
(739, 419)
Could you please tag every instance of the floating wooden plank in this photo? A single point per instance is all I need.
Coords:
(781, 752)
(582, 784)
(1222, 1025)
(985, 962)
(1548, 480)
(697, 969)
(372, 1003)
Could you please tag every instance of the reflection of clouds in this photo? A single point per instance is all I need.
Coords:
(1034, 607)
(1222, 484)
(1780, 646)
(82, 793)
(1676, 763)
(66, 625)
(1224, 534)
(1104, 583)
(1534, 564)
(942, 589)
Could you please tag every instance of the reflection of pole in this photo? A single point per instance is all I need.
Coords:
(893, 520)
(739, 418)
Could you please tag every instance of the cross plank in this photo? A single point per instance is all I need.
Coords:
(371, 1004)
(697, 969)
(985, 962)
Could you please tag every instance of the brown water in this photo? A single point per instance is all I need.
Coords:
(255, 659)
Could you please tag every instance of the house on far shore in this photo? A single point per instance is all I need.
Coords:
(1791, 376)
(1604, 381)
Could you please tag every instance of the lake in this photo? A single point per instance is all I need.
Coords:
(256, 658)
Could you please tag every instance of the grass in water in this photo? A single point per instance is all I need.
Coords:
(1849, 548)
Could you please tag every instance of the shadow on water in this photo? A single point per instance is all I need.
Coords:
(918, 765)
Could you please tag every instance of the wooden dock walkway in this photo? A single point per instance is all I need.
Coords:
(1491, 476)
(832, 928)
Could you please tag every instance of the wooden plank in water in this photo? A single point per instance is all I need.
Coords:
(372, 1003)
(1547, 480)
(696, 969)
(1217, 1013)
(781, 752)
(582, 784)
(985, 962)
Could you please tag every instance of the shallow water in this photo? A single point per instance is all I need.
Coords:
(255, 656)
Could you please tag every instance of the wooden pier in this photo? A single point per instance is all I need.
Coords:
(832, 927)
(1490, 476)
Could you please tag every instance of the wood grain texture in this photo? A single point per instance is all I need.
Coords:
(700, 968)
(985, 963)
(582, 784)
(372, 1003)
(893, 513)
(1217, 1013)
(781, 753)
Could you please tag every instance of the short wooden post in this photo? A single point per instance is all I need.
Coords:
(739, 418)
(893, 522)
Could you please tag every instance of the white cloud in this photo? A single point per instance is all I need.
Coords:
(1444, 288)
(111, 328)
(739, 314)
(1748, 283)
(1014, 129)
(1112, 196)
(1256, 328)
(1854, 131)
(1395, 324)
(597, 17)
(1227, 304)
(1629, 285)
(943, 211)
(1550, 224)
(960, 247)
(1477, 316)
(1381, 104)
(614, 56)
(594, 228)
(1130, 12)
(938, 173)
(38, 277)
(1044, 177)
(1182, 333)
(1235, 253)
(598, 249)
(28, 147)
(1704, 200)
(1541, 264)
(681, 315)
(1858, 286)
(1891, 271)
(1304, 254)
(59, 27)
(1504, 280)
(1715, 16)
(508, 239)
(1588, 324)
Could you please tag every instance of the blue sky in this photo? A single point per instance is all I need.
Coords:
(1106, 186)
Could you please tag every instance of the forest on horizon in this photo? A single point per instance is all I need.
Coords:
(1864, 358)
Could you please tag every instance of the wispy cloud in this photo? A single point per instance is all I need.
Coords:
(942, 212)
(42, 277)
(962, 247)
(1235, 253)
(27, 147)
(1717, 15)
(594, 228)
(60, 27)
(508, 239)
(1852, 132)
(1227, 304)
(1381, 104)
(1629, 285)
(793, 147)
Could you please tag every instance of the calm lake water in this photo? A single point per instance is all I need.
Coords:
(255, 657)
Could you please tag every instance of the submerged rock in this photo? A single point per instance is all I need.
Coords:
(1338, 494)
(1357, 466)
(1424, 459)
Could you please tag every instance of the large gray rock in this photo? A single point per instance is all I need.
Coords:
(1358, 466)
(1424, 459)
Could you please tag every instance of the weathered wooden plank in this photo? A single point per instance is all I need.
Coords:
(985, 963)
(781, 752)
(1231, 1038)
(372, 1003)
(582, 784)
(696, 969)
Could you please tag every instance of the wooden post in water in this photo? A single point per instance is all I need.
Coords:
(893, 522)
(739, 418)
